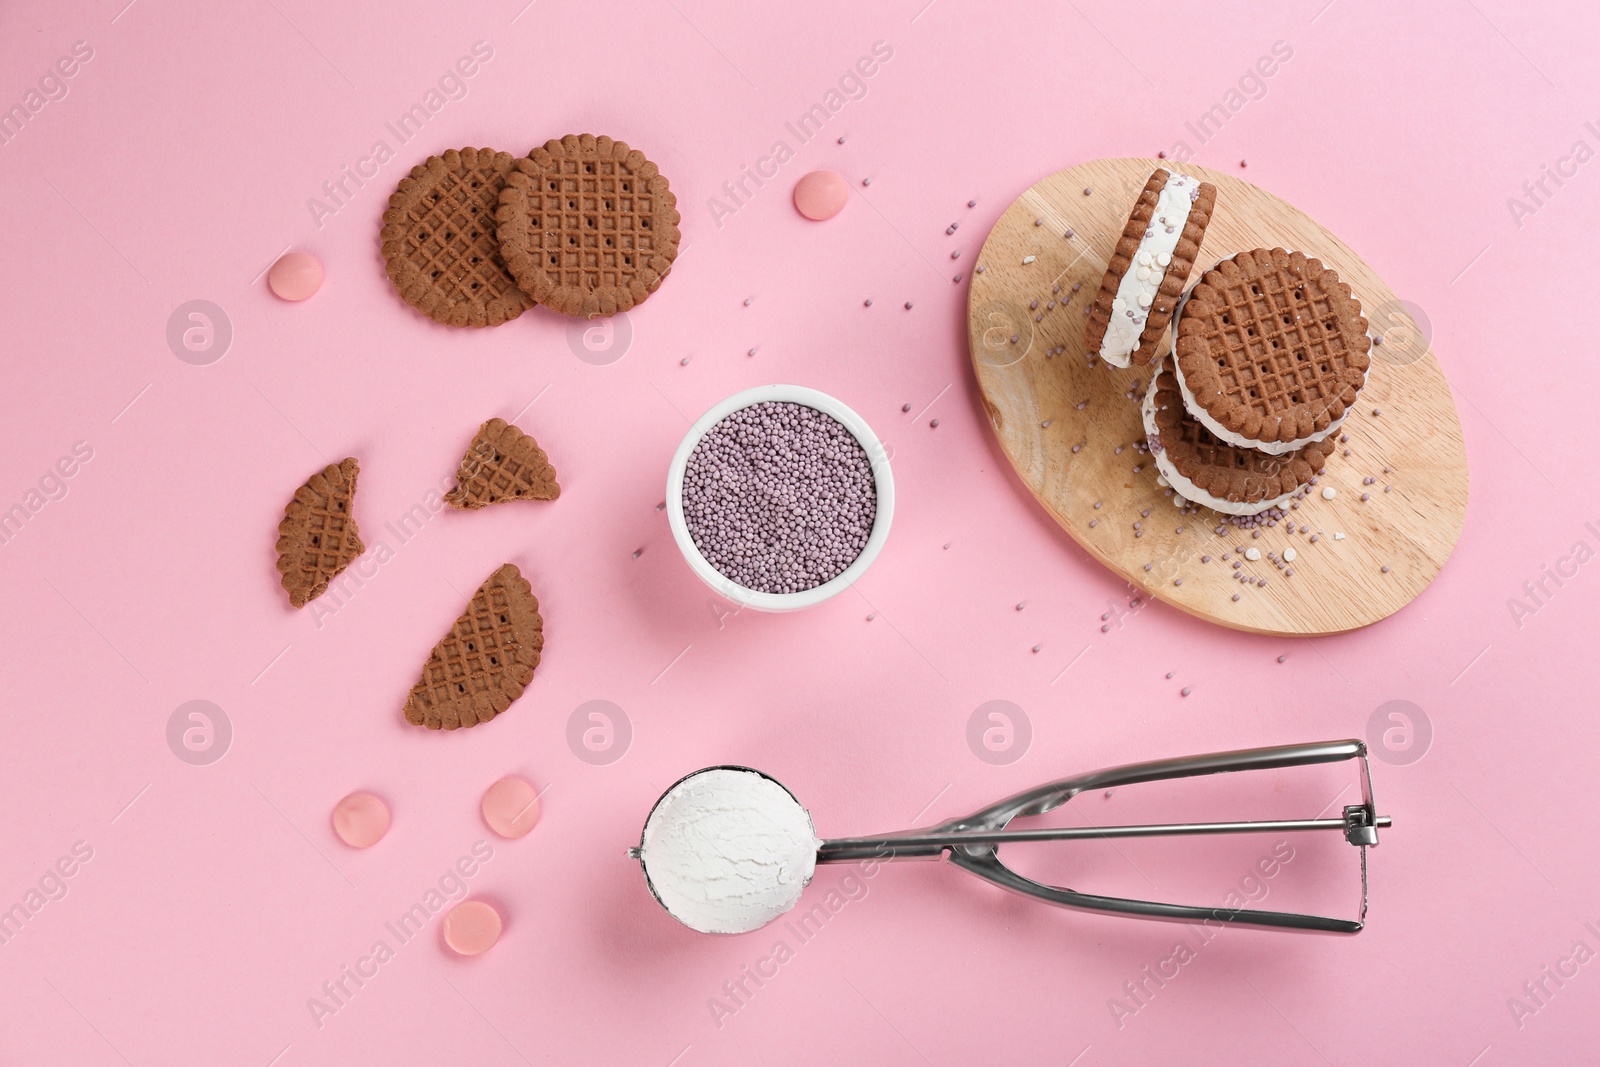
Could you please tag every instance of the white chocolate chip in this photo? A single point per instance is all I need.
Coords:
(1338, 535)
(1289, 555)
(1028, 259)
(1329, 492)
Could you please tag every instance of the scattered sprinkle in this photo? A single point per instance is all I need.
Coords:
(866, 181)
(955, 253)
(1037, 647)
(1243, 164)
(1021, 604)
(1385, 568)
(1376, 412)
(751, 352)
(1185, 691)
(684, 362)
(867, 302)
(1282, 658)
(871, 615)
(972, 203)
(1088, 190)
(905, 407)
(908, 305)
(638, 552)
(980, 268)
(1105, 628)
(749, 300)
(841, 139)
(1236, 596)
(933, 424)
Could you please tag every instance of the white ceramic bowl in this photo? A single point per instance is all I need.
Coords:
(877, 455)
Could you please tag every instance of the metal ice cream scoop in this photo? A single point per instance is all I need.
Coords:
(973, 842)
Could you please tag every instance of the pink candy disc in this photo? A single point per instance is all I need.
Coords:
(511, 807)
(821, 194)
(361, 820)
(296, 276)
(472, 927)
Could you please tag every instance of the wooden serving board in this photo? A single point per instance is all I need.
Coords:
(1033, 402)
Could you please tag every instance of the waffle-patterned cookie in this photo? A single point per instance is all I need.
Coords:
(485, 661)
(1227, 472)
(1273, 348)
(587, 225)
(439, 242)
(317, 537)
(1140, 326)
(502, 463)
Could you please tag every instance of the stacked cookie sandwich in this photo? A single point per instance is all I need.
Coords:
(1271, 352)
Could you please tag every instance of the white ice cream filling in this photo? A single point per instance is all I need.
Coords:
(727, 851)
(1137, 288)
(1183, 486)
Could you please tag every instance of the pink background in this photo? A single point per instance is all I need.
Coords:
(216, 901)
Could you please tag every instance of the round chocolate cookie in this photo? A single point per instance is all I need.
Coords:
(439, 243)
(1228, 478)
(1272, 349)
(587, 226)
